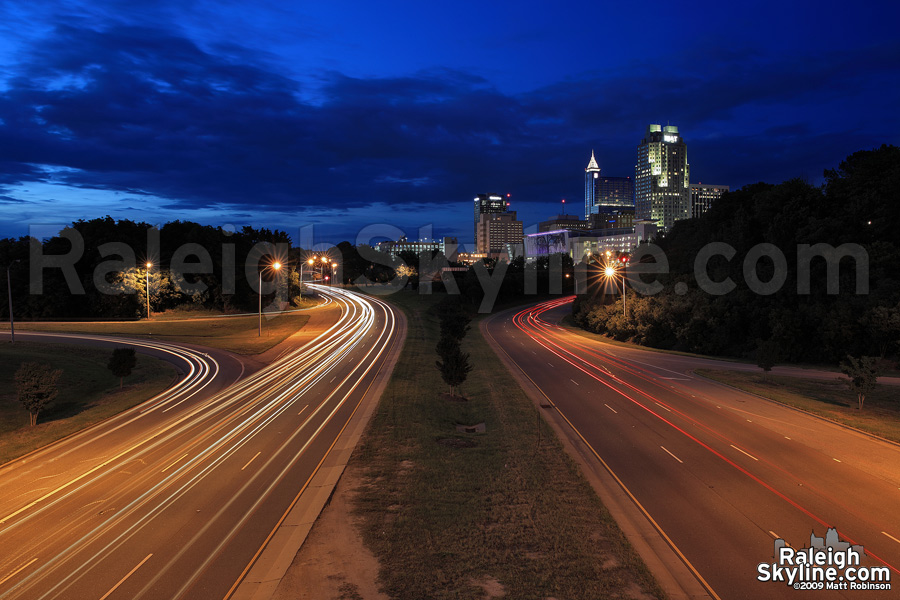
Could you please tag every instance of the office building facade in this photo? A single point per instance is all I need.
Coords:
(446, 246)
(564, 222)
(703, 196)
(498, 234)
(662, 189)
(488, 204)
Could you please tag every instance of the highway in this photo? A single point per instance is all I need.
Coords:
(177, 497)
(720, 473)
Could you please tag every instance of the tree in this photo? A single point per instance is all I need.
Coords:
(121, 363)
(446, 346)
(863, 373)
(767, 355)
(36, 387)
(454, 368)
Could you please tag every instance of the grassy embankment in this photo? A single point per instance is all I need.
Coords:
(450, 514)
(88, 392)
(830, 399)
(239, 334)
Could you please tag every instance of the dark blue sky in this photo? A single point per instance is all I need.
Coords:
(341, 115)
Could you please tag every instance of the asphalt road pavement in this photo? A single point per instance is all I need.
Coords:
(176, 497)
(720, 473)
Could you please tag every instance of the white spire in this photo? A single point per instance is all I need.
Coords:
(593, 166)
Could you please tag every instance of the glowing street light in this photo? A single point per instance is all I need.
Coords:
(147, 272)
(310, 263)
(333, 267)
(610, 272)
(274, 266)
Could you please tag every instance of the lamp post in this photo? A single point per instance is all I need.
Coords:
(611, 272)
(12, 326)
(149, 264)
(275, 266)
(333, 267)
(309, 262)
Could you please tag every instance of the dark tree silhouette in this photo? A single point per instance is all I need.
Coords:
(121, 363)
(36, 387)
(454, 368)
(767, 355)
(863, 373)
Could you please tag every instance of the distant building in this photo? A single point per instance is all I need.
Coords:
(605, 191)
(577, 244)
(488, 204)
(498, 234)
(662, 190)
(470, 258)
(564, 222)
(615, 191)
(591, 185)
(703, 196)
(612, 217)
(447, 246)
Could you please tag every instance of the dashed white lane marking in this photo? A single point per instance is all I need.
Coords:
(171, 464)
(884, 532)
(14, 573)
(121, 581)
(742, 452)
(250, 461)
(672, 455)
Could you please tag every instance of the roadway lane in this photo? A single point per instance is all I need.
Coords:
(721, 472)
(180, 505)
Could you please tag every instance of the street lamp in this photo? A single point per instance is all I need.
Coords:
(12, 327)
(149, 264)
(333, 267)
(275, 266)
(610, 272)
(310, 263)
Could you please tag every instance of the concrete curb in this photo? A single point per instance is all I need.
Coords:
(265, 575)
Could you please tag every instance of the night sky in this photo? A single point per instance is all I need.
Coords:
(346, 114)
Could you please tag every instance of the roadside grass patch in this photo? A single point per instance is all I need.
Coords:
(238, 334)
(831, 399)
(453, 514)
(88, 392)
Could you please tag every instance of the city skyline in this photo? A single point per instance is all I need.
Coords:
(283, 118)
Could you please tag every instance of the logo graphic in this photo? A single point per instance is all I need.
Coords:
(827, 563)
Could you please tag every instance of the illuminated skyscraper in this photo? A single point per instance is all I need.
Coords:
(662, 189)
(591, 185)
(488, 204)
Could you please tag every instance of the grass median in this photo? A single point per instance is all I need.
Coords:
(88, 392)
(830, 399)
(238, 334)
(451, 514)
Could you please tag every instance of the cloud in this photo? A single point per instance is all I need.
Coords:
(150, 113)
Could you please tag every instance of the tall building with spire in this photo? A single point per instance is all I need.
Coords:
(662, 189)
(601, 193)
(591, 185)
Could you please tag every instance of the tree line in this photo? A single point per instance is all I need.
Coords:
(859, 204)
